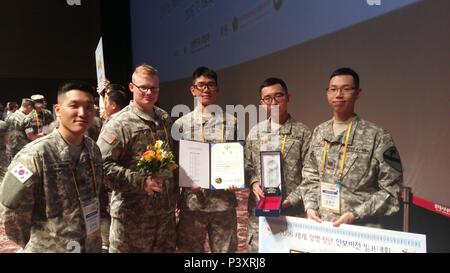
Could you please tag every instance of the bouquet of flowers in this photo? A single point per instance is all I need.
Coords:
(157, 160)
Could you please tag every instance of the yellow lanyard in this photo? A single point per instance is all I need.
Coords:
(344, 156)
(203, 129)
(94, 182)
(283, 144)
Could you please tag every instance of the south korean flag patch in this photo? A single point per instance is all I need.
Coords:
(21, 172)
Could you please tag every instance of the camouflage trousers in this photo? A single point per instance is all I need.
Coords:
(105, 219)
(4, 162)
(252, 233)
(148, 234)
(221, 228)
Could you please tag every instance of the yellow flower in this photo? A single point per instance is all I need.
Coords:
(158, 144)
(148, 155)
(159, 155)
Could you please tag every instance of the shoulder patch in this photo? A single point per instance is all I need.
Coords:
(21, 172)
(108, 137)
(392, 158)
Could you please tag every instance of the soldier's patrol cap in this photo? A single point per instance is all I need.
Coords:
(27, 100)
(38, 100)
(3, 127)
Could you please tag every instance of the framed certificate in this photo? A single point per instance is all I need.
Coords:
(211, 166)
(227, 165)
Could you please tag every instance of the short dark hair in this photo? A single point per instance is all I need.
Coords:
(347, 71)
(118, 96)
(115, 86)
(76, 85)
(273, 81)
(204, 71)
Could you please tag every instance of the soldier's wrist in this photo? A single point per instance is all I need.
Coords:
(356, 215)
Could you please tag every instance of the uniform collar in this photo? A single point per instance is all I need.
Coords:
(143, 115)
(329, 132)
(63, 146)
(284, 129)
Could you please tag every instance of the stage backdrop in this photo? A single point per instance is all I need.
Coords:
(400, 49)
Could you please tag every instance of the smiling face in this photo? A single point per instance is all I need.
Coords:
(206, 89)
(75, 110)
(342, 94)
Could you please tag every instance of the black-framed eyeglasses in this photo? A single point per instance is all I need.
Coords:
(344, 89)
(203, 85)
(145, 89)
(279, 97)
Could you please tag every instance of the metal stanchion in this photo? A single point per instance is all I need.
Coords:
(406, 196)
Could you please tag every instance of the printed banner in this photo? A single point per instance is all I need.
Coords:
(299, 235)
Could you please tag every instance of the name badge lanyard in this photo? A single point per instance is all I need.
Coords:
(283, 145)
(344, 155)
(91, 212)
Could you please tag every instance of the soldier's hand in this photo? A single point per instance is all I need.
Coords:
(196, 189)
(346, 218)
(153, 184)
(232, 189)
(257, 191)
(286, 203)
(314, 215)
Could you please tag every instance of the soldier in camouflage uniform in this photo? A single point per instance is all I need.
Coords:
(50, 192)
(279, 133)
(206, 211)
(140, 222)
(37, 123)
(17, 137)
(353, 173)
(3, 157)
(115, 100)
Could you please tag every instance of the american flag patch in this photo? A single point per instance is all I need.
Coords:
(108, 137)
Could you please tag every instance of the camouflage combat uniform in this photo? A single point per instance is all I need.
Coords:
(212, 211)
(372, 174)
(140, 223)
(17, 137)
(39, 122)
(262, 138)
(42, 194)
(94, 131)
(3, 157)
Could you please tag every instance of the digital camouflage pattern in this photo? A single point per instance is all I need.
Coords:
(372, 176)
(262, 138)
(39, 122)
(17, 137)
(43, 213)
(190, 128)
(137, 218)
(202, 211)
